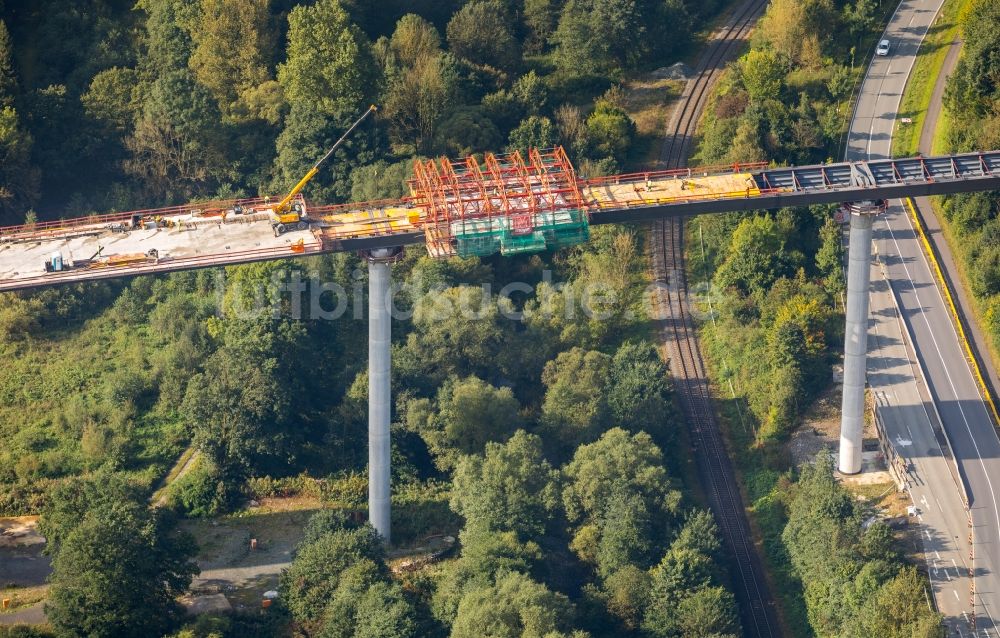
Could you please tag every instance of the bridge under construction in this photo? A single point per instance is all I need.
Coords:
(507, 204)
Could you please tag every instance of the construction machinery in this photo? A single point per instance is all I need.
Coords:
(290, 213)
(58, 262)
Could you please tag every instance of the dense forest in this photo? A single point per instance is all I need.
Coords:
(972, 98)
(116, 105)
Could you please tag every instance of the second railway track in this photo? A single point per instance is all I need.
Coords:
(687, 365)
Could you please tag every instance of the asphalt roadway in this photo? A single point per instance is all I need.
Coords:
(951, 396)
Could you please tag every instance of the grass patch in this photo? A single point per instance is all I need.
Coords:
(21, 597)
(926, 70)
(939, 146)
(649, 102)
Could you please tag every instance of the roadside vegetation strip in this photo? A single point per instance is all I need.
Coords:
(953, 309)
(920, 86)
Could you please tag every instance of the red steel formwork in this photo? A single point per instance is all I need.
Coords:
(505, 197)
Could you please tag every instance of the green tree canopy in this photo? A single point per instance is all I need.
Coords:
(471, 413)
(18, 178)
(763, 74)
(533, 132)
(365, 605)
(329, 77)
(974, 86)
(314, 576)
(609, 131)
(481, 33)
(639, 389)
(755, 257)
(486, 554)
(118, 569)
(626, 534)
(232, 44)
(515, 606)
(830, 256)
(511, 488)
(8, 82)
(617, 462)
(457, 332)
(414, 38)
(575, 408)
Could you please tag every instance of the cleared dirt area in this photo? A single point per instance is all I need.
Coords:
(21, 561)
(229, 566)
(820, 430)
(23, 570)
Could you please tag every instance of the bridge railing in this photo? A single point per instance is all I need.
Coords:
(697, 171)
(680, 199)
(48, 228)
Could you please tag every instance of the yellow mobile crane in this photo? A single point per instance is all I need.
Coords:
(293, 215)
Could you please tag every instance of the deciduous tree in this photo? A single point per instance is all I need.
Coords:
(329, 77)
(232, 43)
(118, 568)
(511, 488)
(515, 606)
(314, 576)
(481, 33)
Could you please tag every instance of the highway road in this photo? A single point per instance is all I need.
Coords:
(907, 406)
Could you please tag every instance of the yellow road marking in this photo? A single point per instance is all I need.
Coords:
(983, 388)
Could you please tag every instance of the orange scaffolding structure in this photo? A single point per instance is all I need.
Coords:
(506, 203)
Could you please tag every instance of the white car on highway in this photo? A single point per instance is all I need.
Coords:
(882, 48)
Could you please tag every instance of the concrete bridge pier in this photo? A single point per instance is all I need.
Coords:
(379, 388)
(852, 421)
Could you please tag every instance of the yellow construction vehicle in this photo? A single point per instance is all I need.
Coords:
(290, 213)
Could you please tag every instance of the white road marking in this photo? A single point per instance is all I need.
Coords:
(951, 382)
(854, 117)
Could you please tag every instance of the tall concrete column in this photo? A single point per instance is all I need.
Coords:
(856, 335)
(379, 396)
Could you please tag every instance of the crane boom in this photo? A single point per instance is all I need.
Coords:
(285, 204)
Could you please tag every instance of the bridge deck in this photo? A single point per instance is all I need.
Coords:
(212, 234)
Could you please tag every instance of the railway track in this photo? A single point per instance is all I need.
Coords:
(686, 363)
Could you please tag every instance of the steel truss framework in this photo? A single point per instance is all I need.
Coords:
(831, 184)
(503, 199)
